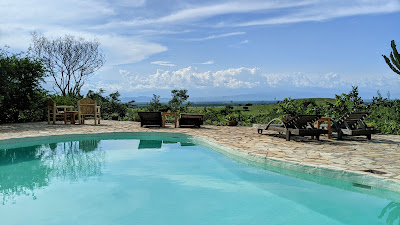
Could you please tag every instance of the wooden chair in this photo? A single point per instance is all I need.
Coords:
(150, 119)
(352, 124)
(300, 125)
(54, 111)
(88, 107)
(191, 119)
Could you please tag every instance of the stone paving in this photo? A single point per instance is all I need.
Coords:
(354, 154)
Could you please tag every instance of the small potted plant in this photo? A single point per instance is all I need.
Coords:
(114, 116)
(232, 120)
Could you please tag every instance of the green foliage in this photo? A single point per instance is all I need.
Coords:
(220, 116)
(65, 100)
(385, 115)
(110, 104)
(155, 104)
(21, 96)
(394, 61)
(293, 107)
(346, 103)
(178, 98)
(233, 117)
(97, 96)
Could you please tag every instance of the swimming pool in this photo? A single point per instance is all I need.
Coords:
(168, 179)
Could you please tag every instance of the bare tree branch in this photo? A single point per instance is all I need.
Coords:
(69, 60)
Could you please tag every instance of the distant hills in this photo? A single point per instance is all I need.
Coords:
(233, 98)
(254, 99)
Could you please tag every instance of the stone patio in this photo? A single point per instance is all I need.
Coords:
(354, 154)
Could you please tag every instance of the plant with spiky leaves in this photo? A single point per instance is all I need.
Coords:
(394, 62)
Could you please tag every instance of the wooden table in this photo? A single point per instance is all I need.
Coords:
(168, 114)
(325, 119)
(65, 108)
(72, 114)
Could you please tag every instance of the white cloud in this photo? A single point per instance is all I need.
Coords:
(118, 49)
(76, 17)
(129, 3)
(53, 12)
(163, 63)
(295, 12)
(325, 10)
(329, 80)
(196, 13)
(218, 36)
(238, 78)
(189, 77)
(240, 44)
(208, 62)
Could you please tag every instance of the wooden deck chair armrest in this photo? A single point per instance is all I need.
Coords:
(276, 119)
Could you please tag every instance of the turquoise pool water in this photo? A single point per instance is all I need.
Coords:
(164, 180)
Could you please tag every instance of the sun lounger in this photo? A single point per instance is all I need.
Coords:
(150, 119)
(301, 125)
(191, 119)
(352, 124)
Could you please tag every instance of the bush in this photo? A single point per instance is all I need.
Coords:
(110, 104)
(345, 103)
(65, 100)
(385, 115)
(293, 107)
(21, 96)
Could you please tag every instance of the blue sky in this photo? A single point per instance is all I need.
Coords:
(288, 48)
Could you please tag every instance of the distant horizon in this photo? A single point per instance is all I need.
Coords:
(236, 98)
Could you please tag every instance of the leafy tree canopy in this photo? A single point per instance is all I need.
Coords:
(178, 98)
(21, 95)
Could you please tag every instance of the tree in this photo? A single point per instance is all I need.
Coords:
(21, 95)
(346, 103)
(69, 60)
(178, 98)
(394, 62)
(97, 96)
(154, 104)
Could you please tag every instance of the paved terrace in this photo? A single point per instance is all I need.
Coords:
(353, 154)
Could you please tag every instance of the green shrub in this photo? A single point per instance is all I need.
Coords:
(385, 115)
(345, 103)
(293, 107)
(65, 100)
(21, 96)
(110, 104)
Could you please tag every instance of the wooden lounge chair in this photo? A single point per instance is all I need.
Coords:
(191, 119)
(300, 125)
(352, 124)
(150, 119)
(88, 108)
